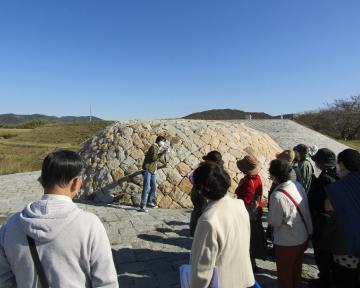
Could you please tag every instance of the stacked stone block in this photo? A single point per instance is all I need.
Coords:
(119, 150)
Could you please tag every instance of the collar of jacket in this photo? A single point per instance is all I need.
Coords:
(212, 203)
(282, 185)
(56, 197)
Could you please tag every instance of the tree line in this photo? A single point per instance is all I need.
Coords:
(339, 119)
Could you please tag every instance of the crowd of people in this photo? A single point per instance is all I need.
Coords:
(53, 243)
(303, 211)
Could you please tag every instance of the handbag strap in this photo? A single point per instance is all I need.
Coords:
(38, 266)
(287, 194)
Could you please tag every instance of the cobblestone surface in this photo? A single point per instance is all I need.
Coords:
(148, 248)
(288, 133)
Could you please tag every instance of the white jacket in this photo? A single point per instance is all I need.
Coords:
(222, 239)
(289, 228)
(72, 244)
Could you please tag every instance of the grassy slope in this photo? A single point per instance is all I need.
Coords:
(352, 143)
(355, 144)
(25, 151)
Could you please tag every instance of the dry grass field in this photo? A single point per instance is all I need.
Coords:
(6, 133)
(27, 148)
(353, 143)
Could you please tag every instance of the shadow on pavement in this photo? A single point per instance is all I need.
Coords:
(182, 232)
(139, 268)
(176, 223)
(181, 242)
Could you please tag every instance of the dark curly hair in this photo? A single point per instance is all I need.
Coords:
(212, 180)
(280, 169)
(214, 156)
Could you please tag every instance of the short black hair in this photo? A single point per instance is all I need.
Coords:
(59, 167)
(160, 138)
(212, 180)
(280, 169)
(302, 149)
(350, 158)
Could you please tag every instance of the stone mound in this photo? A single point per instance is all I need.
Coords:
(114, 158)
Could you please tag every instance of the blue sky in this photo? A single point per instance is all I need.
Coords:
(168, 58)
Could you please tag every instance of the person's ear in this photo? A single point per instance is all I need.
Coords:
(75, 185)
(274, 179)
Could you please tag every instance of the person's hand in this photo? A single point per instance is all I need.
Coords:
(327, 206)
(163, 166)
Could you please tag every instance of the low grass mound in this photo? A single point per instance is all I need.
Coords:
(33, 124)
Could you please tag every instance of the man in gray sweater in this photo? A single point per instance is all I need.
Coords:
(72, 245)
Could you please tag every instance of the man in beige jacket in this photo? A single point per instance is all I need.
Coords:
(222, 236)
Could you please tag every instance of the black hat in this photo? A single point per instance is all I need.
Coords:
(325, 157)
(213, 156)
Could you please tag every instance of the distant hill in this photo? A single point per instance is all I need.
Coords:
(285, 116)
(227, 114)
(14, 119)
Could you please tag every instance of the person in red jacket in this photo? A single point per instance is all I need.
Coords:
(250, 191)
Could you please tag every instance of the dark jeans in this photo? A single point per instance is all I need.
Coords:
(200, 204)
(324, 261)
(344, 277)
(149, 185)
(258, 245)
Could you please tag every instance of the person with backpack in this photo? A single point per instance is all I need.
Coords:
(325, 160)
(304, 169)
(290, 217)
(52, 242)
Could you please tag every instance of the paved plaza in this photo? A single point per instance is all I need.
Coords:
(148, 248)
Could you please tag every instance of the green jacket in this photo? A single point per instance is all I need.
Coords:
(306, 172)
(151, 158)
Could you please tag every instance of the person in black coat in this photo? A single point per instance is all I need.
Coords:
(343, 235)
(325, 160)
(197, 199)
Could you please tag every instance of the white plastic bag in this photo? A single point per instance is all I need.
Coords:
(185, 277)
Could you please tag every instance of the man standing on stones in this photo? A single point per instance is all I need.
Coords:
(153, 155)
(52, 242)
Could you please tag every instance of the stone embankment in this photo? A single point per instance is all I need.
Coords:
(119, 150)
(288, 133)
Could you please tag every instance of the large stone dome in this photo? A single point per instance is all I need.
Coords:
(119, 150)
